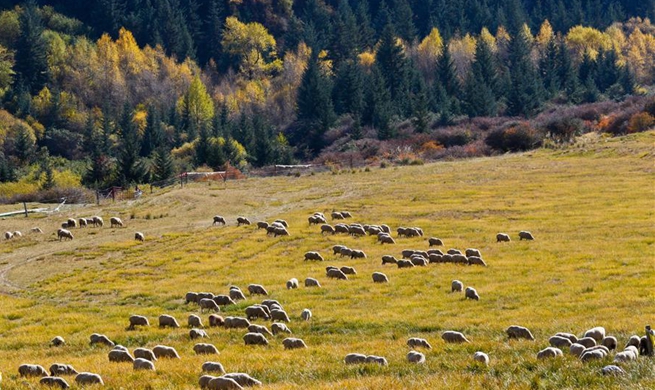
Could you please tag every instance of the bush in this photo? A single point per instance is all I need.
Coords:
(563, 130)
(515, 138)
(455, 137)
(641, 121)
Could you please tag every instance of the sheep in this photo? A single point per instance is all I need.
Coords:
(204, 381)
(224, 300)
(270, 302)
(118, 356)
(88, 378)
(348, 270)
(460, 259)
(54, 381)
(386, 240)
(57, 369)
(612, 370)
(119, 347)
(336, 249)
(356, 230)
(221, 383)
(254, 312)
(17, 234)
(434, 241)
(407, 253)
(191, 297)
(603, 348)
(560, 342)
(388, 259)
(259, 329)
(549, 352)
(262, 225)
(474, 260)
(470, 293)
(569, 336)
(115, 221)
(166, 320)
(280, 328)
(143, 364)
(502, 237)
(341, 228)
(419, 261)
(236, 294)
(311, 282)
(242, 221)
(357, 254)
(209, 304)
(519, 332)
(292, 283)
(71, 222)
(282, 222)
(313, 256)
(481, 357)
(418, 342)
(82, 222)
(634, 341)
(346, 214)
(279, 315)
(412, 232)
(306, 315)
(138, 236)
(205, 349)
(588, 342)
(472, 252)
(597, 333)
(377, 359)
(36, 230)
(595, 354)
(100, 339)
(525, 235)
(61, 233)
(257, 289)
(218, 219)
(27, 370)
(202, 295)
(194, 321)
(293, 343)
(610, 342)
(57, 341)
(243, 379)
(337, 215)
(434, 252)
(336, 274)
(405, 264)
(354, 358)
(98, 221)
(138, 321)
(213, 367)
(577, 349)
(325, 228)
(415, 357)
(236, 322)
(625, 356)
(252, 338)
(373, 230)
(379, 277)
(144, 353)
(163, 351)
(456, 286)
(454, 337)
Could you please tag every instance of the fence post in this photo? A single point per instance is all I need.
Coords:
(98, 197)
(25, 207)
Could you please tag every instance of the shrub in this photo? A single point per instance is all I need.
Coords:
(563, 130)
(514, 138)
(641, 121)
(455, 137)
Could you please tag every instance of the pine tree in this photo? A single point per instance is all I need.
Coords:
(421, 113)
(24, 146)
(346, 34)
(482, 83)
(366, 31)
(130, 168)
(163, 167)
(349, 97)
(526, 91)
(378, 108)
(153, 136)
(404, 20)
(568, 75)
(393, 65)
(264, 153)
(446, 85)
(31, 50)
(549, 68)
(202, 147)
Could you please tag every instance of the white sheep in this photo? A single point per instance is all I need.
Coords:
(139, 236)
(502, 237)
(115, 221)
(418, 342)
(243, 379)
(525, 235)
(259, 329)
(355, 358)
(163, 351)
(306, 315)
(57, 341)
(612, 370)
(610, 342)
(194, 321)
(292, 283)
(52, 381)
(279, 315)
(36, 230)
(216, 320)
(519, 332)
(597, 333)
(205, 349)
(143, 364)
(136, 320)
(166, 320)
(209, 304)
(221, 383)
(213, 367)
(58, 369)
(377, 360)
(119, 355)
(560, 342)
(27, 370)
(257, 289)
(145, 353)
(577, 349)
(96, 338)
(63, 233)
(252, 338)
(456, 286)
(549, 352)
(293, 343)
(379, 277)
(415, 357)
(311, 282)
(280, 328)
(218, 219)
(470, 293)
(454, 337)
(481, 357)
(570, 336)
(197, 334)
(88, 378)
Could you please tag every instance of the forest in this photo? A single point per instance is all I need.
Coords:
(123, 92)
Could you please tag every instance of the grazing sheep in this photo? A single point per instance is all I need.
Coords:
(280, 231)
(577, 349)
(28, 370)
(415, 357)
(336, 249)
(242, 379)
(386, 240)
(270, 302)
(336, 274)
(355, 230)
(472, 252)
(259, 329)
(115, 221)
(17, 234)
(407, 253)
(341, 228)
(236, 294)
(625, 356)
(221, 383)
(306, 314)
(460, 259)
(634, 341)
(279, 315)
(166, 320)
(138, 236)
(292, 283)
(357, 254)
(388, 259)
(610, 342)
(36, 230)
(412, 232)
(120, 356)
(313, 256)
(204, 381)
(88, 378)
(191, 297)
(61, 233)
(262, 225)
(82, 222)
(205, 349)
(218, 219)
(612, 370)
(417, 342)
(453, 251)
(282, 222)
(597, 333)
(236, 322)
(454, 337)
(119, 347)
(588, 342)
(252, 338)
(163, 351)
(144, 353)
(348, 270)
(434, 252)
(405, 264)
(596, 354)
(242, 221)
(71, 223)
(354, 358)
(525, 235)
(311, 282)
(224, 300)
(53, 381)
(549, 352)
(325, 228)
(377, 360)
(213, 367)
(257, 289)
(143, 364)
(194, 321)
(474, 260)
(419, 261)
(254, 312)
(560, 342)
(456, 286)
(216, 320)
(434, 241)
(58, 341)
(481, 357)
(569, 336)
(337, 215)
(98, 221)
(96, 338)
(385, 228)
(293, 343)
(58, 369)
(470, 293)
(603, 348)
(209, 304)
(345, 252)
(280, 328)
(379, 277)
(138, 321)
(519, 332)
(502, 237)
(346, 214)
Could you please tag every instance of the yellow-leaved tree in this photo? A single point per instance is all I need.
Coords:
(197, 106)
(252, 47)
(427, 53)
(582, 39)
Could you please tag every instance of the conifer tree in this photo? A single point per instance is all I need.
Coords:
(526, 91)
(163, 167)
(446, 84)
(394, 68)
(31, 50)
(314, 101)
(481, 83)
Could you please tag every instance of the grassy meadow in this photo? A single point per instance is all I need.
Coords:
(590, 206)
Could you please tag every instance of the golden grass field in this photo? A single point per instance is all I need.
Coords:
(590, 206)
